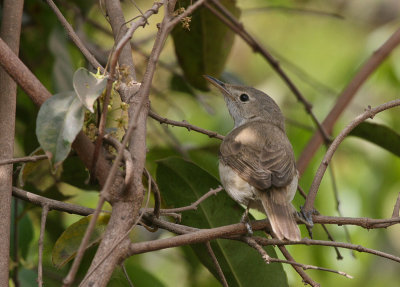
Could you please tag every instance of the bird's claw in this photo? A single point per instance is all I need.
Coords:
(249, 229)
(245, 220)
(306, 218)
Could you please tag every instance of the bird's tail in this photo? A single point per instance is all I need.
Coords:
(280, 214)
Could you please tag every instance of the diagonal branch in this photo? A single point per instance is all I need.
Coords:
(369, 113)
(74, 37)
(184, 124)
(347, 95)
(216, 264)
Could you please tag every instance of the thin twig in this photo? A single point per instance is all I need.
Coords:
(305, 241)
(369, 113)
(336, 194)
(251, 242)
(330, 237)
(45, 210)
(230, 20)
(23, 159)
(74, 37)
(184, 124)
(126, 274)
(214, 259)
(195, 204)
(306, 279)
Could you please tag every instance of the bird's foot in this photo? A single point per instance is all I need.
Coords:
(245, 219)
(306, 218)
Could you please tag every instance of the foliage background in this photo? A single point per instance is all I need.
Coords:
(320, 52)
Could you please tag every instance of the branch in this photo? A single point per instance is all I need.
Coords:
(347, 95)
(9, 36)
(194, 205)
(365, 222)
(74, 37)
(51, 203)
(369, 113)
(45, 211)
(184, 124)
(216, 264)
(269, 259)
(229, 231)
(306, 241)
(23, 159)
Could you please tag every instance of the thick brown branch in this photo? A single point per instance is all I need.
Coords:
(10, 34)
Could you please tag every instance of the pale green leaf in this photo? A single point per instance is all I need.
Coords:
(59, 120)
(88, 87)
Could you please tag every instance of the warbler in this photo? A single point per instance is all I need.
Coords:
(256, 160)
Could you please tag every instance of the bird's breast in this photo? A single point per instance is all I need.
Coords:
(239, 189)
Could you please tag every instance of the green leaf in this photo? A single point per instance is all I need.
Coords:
(88, 87)
(68, 243)
(181, 183)
(204, 48)
(380, 135)
(59, 120)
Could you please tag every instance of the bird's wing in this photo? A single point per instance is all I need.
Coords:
(260, 153)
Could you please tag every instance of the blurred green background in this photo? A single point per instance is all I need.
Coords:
(320, 44)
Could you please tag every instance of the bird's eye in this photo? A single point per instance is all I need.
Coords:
(244, 97)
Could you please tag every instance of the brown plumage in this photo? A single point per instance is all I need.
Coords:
(257, 165)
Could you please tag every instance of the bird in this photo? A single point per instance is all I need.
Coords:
(256, 160)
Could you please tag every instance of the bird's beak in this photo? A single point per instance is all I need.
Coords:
(217, 83)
